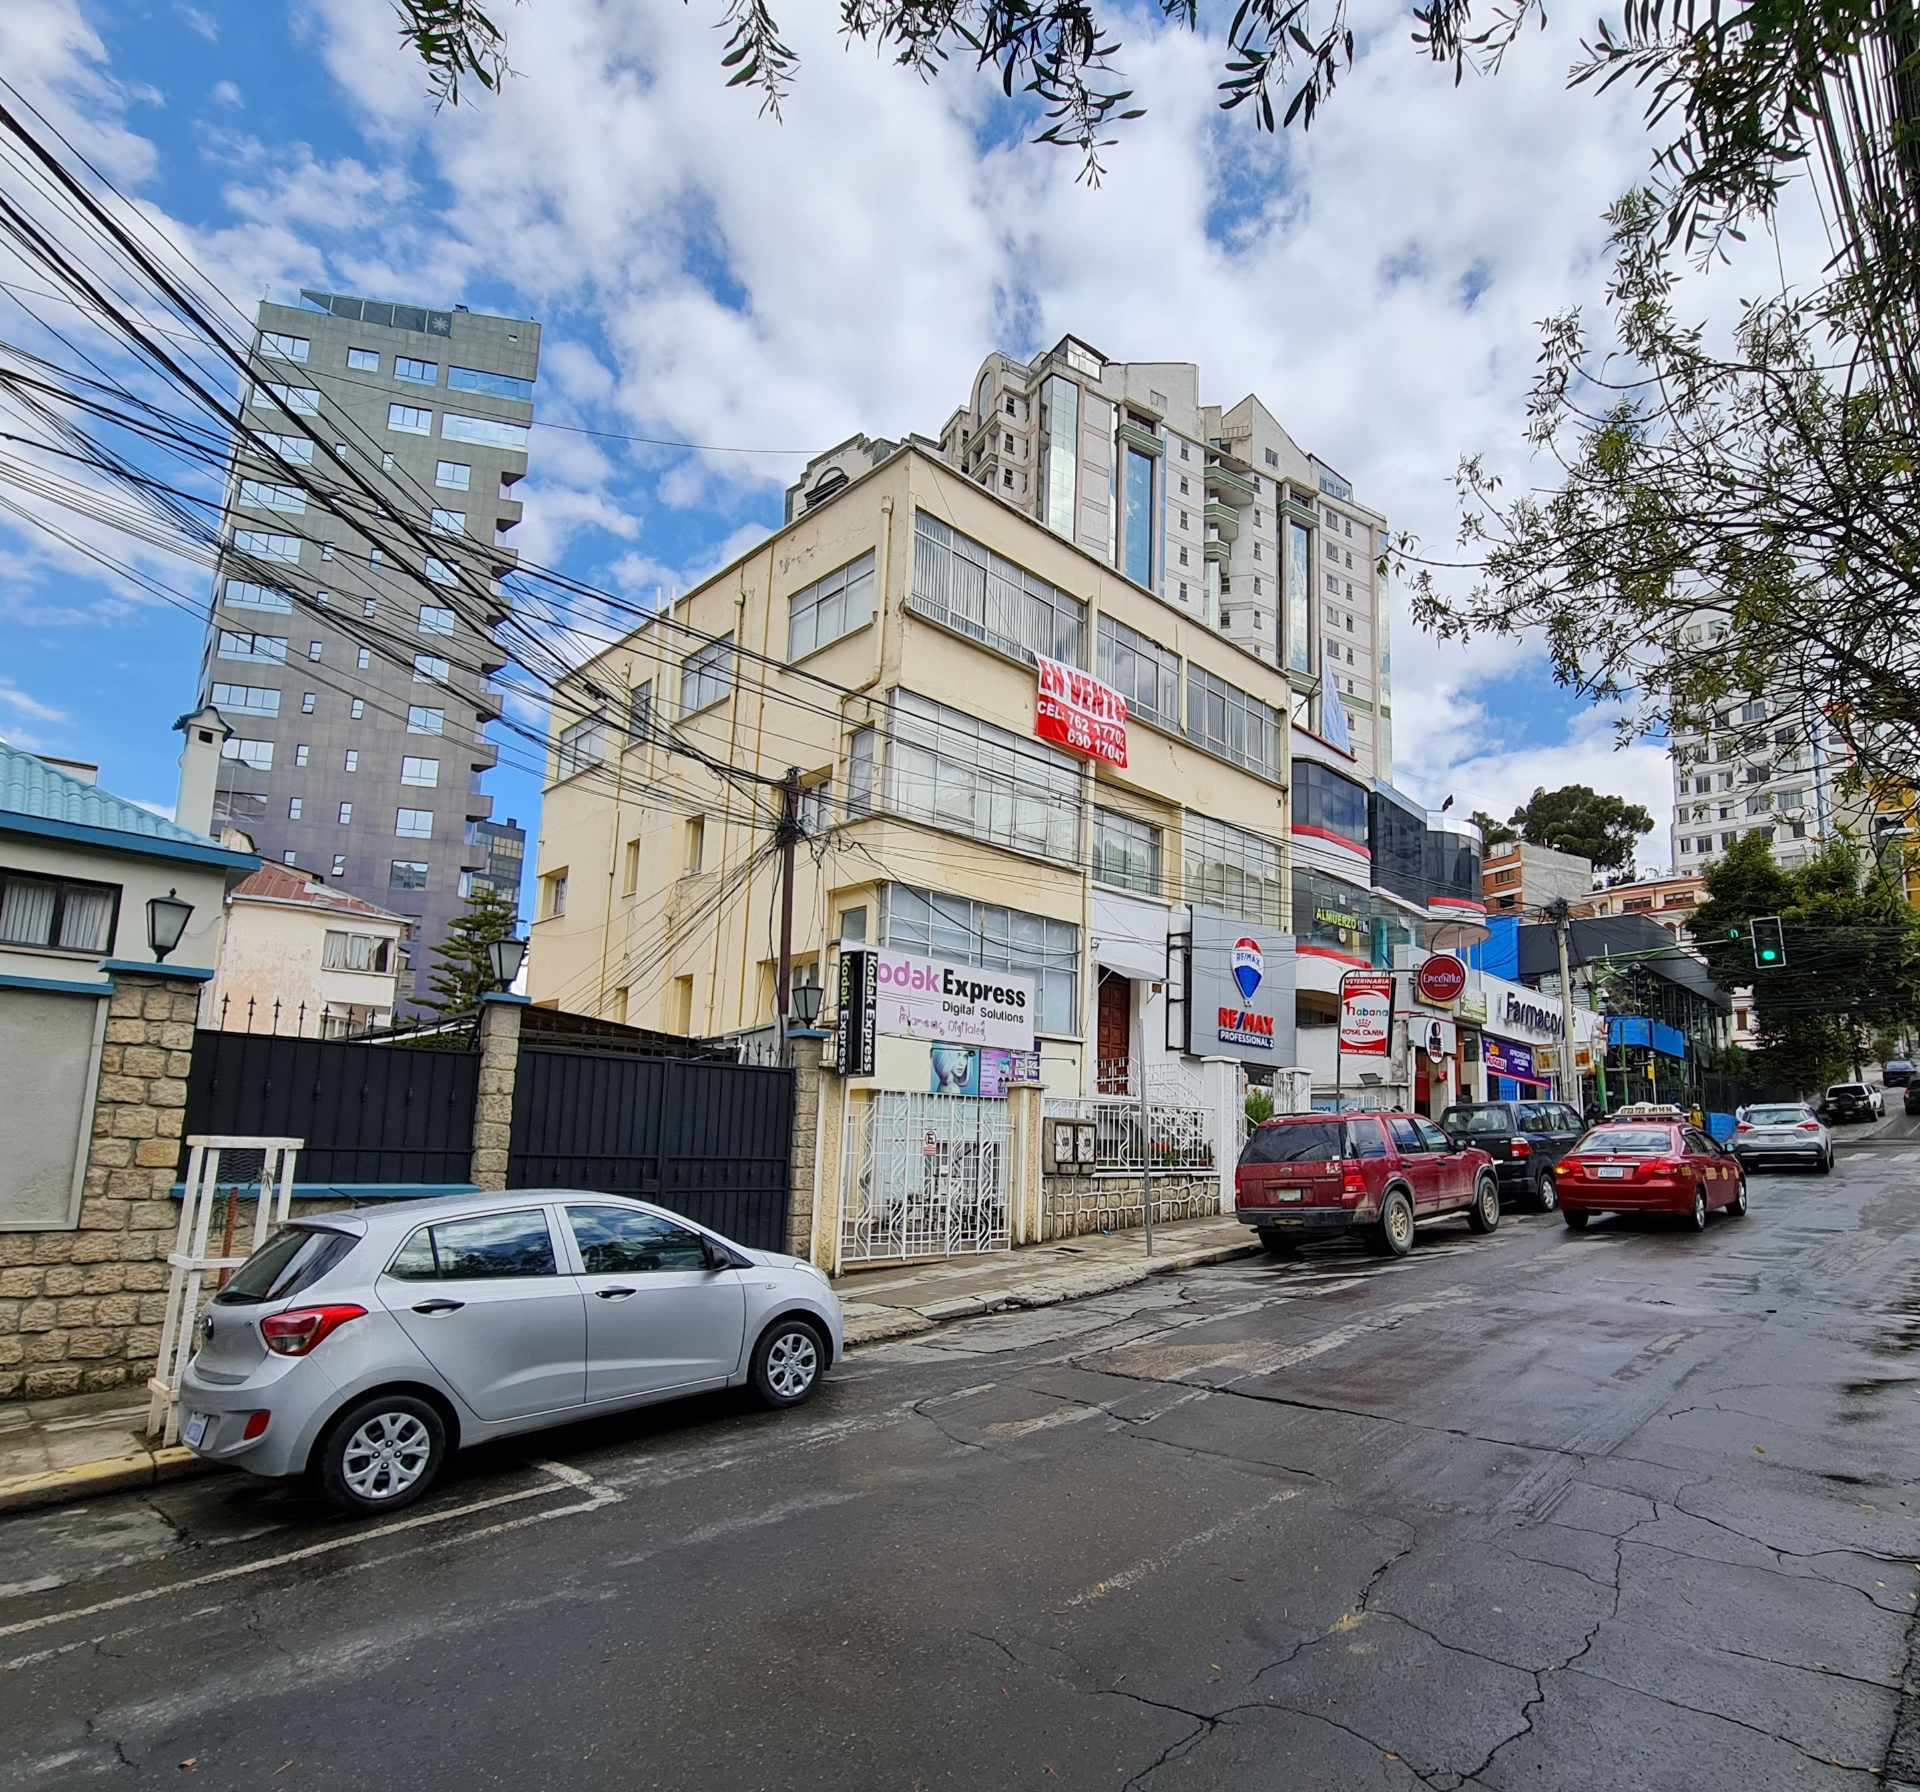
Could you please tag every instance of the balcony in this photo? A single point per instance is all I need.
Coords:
(1222, 518)
(1215, 548)
(1227, 485)
(507, 513)
(485, 756)
(1136, 437)
(478, 807)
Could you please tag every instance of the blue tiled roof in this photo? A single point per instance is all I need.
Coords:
(37, 799)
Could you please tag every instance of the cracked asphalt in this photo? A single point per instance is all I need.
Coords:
(1628, 1509)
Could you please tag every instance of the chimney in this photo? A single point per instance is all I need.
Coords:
(206, 732)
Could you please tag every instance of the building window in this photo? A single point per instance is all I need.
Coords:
(694, 855)
(953, 770)
(640, 710)
(554, 894)
(293, 808)
(421, 373)
(1142, 671)
(363, 360)
(440, 572)
(413, 824)
(420, 771)
(309, 701)
(410, 419)
(386, 458)
(830, 607)
(958, 582)
(363, 658)
(1327, 802)
(1229, 869)
(56, 913)
(483, 430)
(494, 385)
(1223, 719)
(290, 448)
(421, 720)
(355, 952)
(1060, 412)
(300, 752)
(242, 594)
(263, 495)
(350, 759)
(1137, 518)
(1126, 852)
(1183, 557)
(706, 675)
(291, 348)
(339, 864)
(1271, 456)
(256, 755)
(455, 475)
(407, 874)
(579, 746)
(326, 550)
(315, 650)
(958, 931)
(449, 522)
(265, 545)
(357, 708)
(345, 816)
(302, 401)
(253, 699)
(430, 668)
(435, 620)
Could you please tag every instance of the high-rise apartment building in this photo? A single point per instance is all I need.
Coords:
(350, 641)
(1217, 511)
(1766, 763)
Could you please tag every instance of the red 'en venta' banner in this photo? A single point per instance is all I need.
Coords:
(1079, 712)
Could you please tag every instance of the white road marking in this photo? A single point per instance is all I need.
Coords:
(1151, 1565)
(598, 1496)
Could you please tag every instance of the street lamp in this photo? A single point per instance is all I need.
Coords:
(166, 922)
(806, 999)
(503, 958)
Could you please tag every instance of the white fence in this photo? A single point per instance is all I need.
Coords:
(929, 1178)
(1129, 1135)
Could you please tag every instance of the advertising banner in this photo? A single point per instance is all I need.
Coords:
(1507, 1057)
(1240, 1002)
(853, 1031)
(1075, 710)
(984, 1071)
(1366, 1013)
(919, 998)
(1440, 980)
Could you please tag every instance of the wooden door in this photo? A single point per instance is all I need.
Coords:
(1113, 1034)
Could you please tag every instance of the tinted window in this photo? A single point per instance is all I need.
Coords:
(1698, 1142)
(1405, 1135)
(1848, 1089)
(1486, 1122)
(616, 1241)
(1637, 1141)
(1536, 1116)
(293, 1258)
(1303, 1142)
(1365, 1139)
(1568, 1120)
(492, 1244)
(1435, 1139)
(1787, 1116)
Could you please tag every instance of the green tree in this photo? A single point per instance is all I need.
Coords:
(1494, 833)
(1578, 819)
(462, 970)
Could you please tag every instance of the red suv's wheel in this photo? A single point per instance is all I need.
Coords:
(1395, 1231)
(1484, 1214)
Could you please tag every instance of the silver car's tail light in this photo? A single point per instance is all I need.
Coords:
(299, 1330)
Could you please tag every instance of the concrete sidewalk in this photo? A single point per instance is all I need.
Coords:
(895, 1303)
(54, 1452)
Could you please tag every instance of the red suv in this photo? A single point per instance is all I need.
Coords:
(1311, 1175)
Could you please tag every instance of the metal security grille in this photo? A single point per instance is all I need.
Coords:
(930, 1179)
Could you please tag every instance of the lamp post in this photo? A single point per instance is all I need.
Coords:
(806, 1002)
(504, 958)
(166, 922)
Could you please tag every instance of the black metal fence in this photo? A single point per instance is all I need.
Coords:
(707, 1139)
(371, 1110)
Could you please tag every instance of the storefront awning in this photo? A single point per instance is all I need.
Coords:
(1129, 936)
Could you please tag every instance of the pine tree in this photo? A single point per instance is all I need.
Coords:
(462, 970)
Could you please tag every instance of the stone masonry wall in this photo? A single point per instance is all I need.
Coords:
(1080, 1204)
(806, 1122)
(82, 1310)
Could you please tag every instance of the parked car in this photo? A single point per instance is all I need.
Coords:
(361, 1349)
(1525, 1139)
(1313, 1175)
(1853, 1101)
(1897, 1074)
(1783, 1133)
(1911, 1105)
(1643, 1166)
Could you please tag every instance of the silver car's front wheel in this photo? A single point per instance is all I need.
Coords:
(787, 1362)
(382, 1454)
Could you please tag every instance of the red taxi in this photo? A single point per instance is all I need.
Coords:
(1650, 1166)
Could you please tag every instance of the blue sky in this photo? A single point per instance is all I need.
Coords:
(704, 275)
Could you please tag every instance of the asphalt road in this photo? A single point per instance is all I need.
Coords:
(1633, 1509)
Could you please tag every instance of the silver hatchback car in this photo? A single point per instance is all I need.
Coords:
(362, 1348)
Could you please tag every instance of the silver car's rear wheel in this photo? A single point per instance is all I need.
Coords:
(787, 1362)
(382, 1454)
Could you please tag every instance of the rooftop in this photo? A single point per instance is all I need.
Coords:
(281, 883)
(39, 798)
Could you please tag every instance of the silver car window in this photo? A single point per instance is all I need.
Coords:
(616, 1241)
(487, 1245)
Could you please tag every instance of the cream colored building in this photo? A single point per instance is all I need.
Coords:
(882, 643)
(300, 956)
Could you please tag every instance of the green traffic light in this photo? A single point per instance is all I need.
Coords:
(1768, 955)
(1733, 933)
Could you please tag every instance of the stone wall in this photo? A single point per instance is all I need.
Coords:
(81, 1310)
(499, 1040)
(1077, 1204)
(806, 1125)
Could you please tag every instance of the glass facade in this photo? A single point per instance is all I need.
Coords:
(830, 607)
(1062, 401)
(1229, 869)
(967, 587)
(959, 931)
(1452, 863)
(1137, 500)
(1328, 802)
(1397, 832)
(1126, 852)
(1142, 671)
(1224, 719)
(1333, 915)
(1299, 595)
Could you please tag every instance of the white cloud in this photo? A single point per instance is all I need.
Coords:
(17, 700)
(226, 93)
(199, 22)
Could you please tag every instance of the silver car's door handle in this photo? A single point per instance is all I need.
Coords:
(439, 1306)
(615, 1293)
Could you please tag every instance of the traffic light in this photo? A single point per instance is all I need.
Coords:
(1769, 943)
(1736, 933)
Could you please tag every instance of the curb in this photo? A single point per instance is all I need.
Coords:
(909, 1322)
(88, 1480)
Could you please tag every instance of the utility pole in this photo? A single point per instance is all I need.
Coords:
(1146, 1156)
(1560, 913)
(789, 838)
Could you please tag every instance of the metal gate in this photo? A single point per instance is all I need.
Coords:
(929, 1178)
